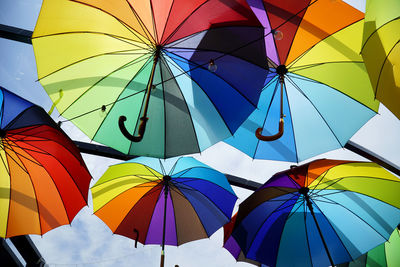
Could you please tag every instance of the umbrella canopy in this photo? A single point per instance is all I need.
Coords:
(381, 52)
(322, 213)
(318, 94)
(44, 182)
(385, 255)
(232, 246)
(139, 200)
(166, 68)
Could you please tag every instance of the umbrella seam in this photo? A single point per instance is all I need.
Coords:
(67, 171)
(376, 31)
(382, 66)
(184, 100)
(308, 50)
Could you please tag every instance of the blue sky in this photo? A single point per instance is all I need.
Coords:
(88, 241)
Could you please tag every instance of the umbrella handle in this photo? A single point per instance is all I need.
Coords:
(271, 137)
(162, 259)
(141, 130)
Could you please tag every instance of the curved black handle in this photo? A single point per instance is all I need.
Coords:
(124, 131)
(270, 137)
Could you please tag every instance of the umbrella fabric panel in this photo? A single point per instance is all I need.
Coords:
(340, 53)
(322, 18)
(323, 101)
(242, 68)
(198, 175)
(354, 220)
(208, 14)
(57, 161)
(208, 212)
(113, 212)
(208, 125)
(210, 191)
(180, 125)
(11, 106)
(261, 217)
(135, 224)
(208, 84)
(155, 231)
(189, 226)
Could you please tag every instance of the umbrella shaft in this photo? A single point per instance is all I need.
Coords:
(310, 207)
(150, 83)
(165, 215)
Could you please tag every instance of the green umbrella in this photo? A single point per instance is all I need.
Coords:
(386, 254)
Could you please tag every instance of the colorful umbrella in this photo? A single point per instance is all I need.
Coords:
(322, 213)
(139, 200)
(232, 246)
(381, 52)
(44, 182)
(319, 94)
(170, 65)
(385, 255)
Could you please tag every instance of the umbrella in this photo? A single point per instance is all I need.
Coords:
(232, 246)
(165, 68)
(384, 255)
(381, 52)
(322, 213)
(318, 94)
(44, 182)
(139, 200)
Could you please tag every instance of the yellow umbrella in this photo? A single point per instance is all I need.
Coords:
(381, 52)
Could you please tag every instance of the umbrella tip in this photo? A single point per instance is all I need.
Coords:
(281, 70)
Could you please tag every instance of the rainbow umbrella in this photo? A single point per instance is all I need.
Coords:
(232, 246)
(165, 68)
(322, 213)
(384, 255)
(44, 182)
(140, 200)
(318, 93)
(381, 51)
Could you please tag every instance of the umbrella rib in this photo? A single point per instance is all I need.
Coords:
(304, 67)
(18, 156)
(315, 81)
(308, 50)
(382, 66)
(361, 219)
(139, 176)
(212, 102)
(262, 224)
(376, 30)
(185, 103)
(6, 166)
(268, 109)
(177, 28)
(167, 20)
(154, 22)
(122, 23)
(305, 227)
(116, 53)
(103, 78)
(152, 172)
(66, 170)
(196, 66)
(315, 108)
(141, 23)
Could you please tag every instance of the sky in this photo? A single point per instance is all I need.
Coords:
(88, 241)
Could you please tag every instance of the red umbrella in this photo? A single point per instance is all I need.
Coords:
(44, 182)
